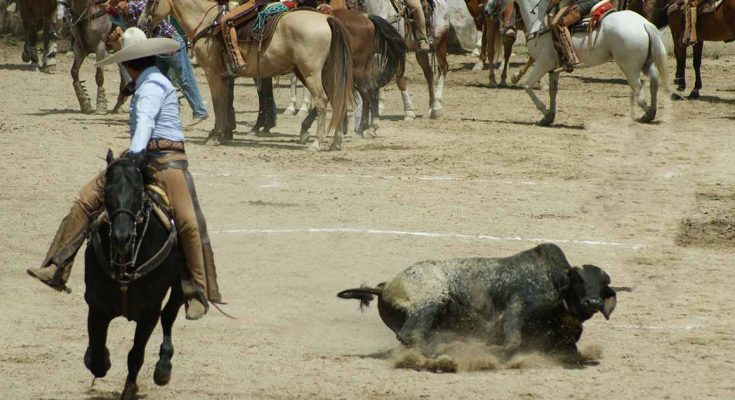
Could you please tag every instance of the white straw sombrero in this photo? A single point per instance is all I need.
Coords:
(137, 45)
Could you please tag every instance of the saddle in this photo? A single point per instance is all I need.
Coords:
(705, 7)
(591, 20)
(402, 11)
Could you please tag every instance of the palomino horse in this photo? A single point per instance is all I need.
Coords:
(715, 26)
(439, 29)
(309, 43)
(36, 15)
(90, 25)
(129, 266)
(623, 36)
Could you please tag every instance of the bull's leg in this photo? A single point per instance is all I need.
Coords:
(81, 93)
(408, 112)
(697, 62)
(418, 324)
(162, 373)
(143, 331)
(97, 357)
(512, 322)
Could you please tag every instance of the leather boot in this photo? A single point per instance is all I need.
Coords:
(570, 59)
(690, 23)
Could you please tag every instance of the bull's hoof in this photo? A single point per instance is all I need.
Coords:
(162, 373)
(130, 392)
(547, 120)
(303, 137)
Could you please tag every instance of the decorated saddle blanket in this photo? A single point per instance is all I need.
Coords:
(593, 13)
(261, 25)
(705, 6)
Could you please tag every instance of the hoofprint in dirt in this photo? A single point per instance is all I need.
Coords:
(291, 228)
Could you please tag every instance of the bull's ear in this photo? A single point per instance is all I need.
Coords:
(110, 157)
(609, 302)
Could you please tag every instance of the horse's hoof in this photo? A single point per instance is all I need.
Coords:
(492, 84)
(314, 146)
(213, 141)
(25, 57)
(99, 371)
(435, 113)
(302, 112)
(335, 146)
(266, 132)
(514, 79)
(694, 95)
(290, 110)
(547, 120)
(253, 132)
(677, 96)
(49, 69)
(162, 373)
(130, 392)
(303, 137)
(477, 67)
(649, 116)
(503, 84)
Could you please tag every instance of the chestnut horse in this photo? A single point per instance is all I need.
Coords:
(716, 26)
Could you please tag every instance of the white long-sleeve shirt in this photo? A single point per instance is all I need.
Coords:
(154, 110)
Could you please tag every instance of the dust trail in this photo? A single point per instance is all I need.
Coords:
(474, 355)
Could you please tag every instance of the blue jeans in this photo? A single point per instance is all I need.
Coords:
(180, 63)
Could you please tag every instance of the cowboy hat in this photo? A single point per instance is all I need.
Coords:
(137, 45)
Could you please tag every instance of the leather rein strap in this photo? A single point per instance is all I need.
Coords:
(124, 278)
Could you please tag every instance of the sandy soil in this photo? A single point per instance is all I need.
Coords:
(291, 228)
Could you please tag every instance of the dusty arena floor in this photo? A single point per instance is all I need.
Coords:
(654, 205)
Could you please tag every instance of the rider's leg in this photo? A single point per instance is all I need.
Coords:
(506, 17)
(181, 64)
(419, 23)
(690, 22)
(56, 267)
(173, 182)
(565, 18)
(229, 32)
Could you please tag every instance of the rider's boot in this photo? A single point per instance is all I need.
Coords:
(419, 25)
(690, 22)
(560, 24)
(56, 267)
(234, 59)
(506, 21)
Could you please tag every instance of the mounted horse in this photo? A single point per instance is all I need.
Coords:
(623, 36)
(39, 15)
(438, 28)
(715, 23)
(89, 25)
(309, 43)
(131, 262)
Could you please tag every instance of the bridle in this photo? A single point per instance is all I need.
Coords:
(124, 268)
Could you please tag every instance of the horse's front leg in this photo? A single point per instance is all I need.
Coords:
(697, 62)
(492, 33)
(162, 373)
(49, 50)
(81, 93)
(508, 42)
(680, 51)
(99, 78)
(423, 61)
(535, 76)
(409, 113)
(143, 330)
(97, 357)
(219, 92)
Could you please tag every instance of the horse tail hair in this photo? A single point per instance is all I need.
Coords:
(391, 48)
(657, 54)
(337, 74)
(363, 293)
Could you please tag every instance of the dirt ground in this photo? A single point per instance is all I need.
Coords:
(651, 204)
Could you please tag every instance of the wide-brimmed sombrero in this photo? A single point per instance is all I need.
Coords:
(137, 45)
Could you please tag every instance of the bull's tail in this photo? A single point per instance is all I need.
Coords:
(363, 293)
(391, 48)
(337, 74)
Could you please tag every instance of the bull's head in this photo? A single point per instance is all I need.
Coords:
(589, 291)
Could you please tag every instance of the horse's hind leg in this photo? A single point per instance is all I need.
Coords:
(143, 331)
(162, 374)
(99, 78)
(697, 63)
(29, 49)
(79, 90)
(409, 113)
(97, 357)
(652, 74)
(508, 42)
(314, 83)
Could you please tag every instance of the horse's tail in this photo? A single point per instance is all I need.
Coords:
(656, 54)
(363, 293)
(390, 47)
(337, 73)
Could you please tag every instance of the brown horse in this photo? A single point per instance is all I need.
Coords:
(716, 26)
(369, 36)
(38, 15)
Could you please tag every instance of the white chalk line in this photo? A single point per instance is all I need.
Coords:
(431, 178)
(441, 235)
(689, 327)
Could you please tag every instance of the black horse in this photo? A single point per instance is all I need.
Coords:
(130, 264)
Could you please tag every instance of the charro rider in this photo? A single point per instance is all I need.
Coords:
(230, 18)
(155, 129)
(690, 22)
(570, 12)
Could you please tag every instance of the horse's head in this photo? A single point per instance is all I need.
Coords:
(153, 13)
(123, 202)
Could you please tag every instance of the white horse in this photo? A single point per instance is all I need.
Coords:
(305, 100)
(624, 36)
